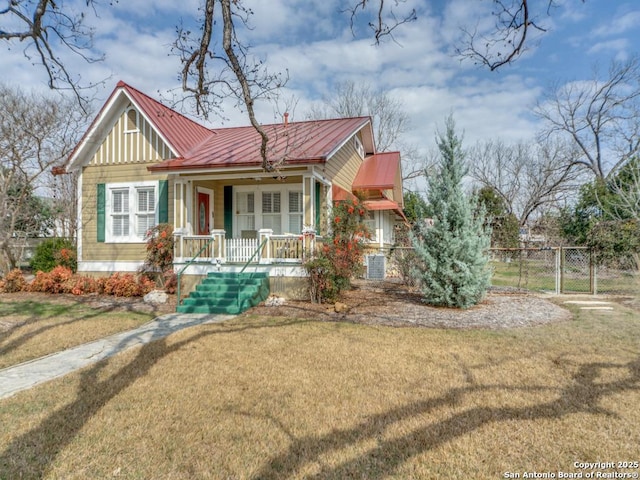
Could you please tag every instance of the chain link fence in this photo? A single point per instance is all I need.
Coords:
(549, 269)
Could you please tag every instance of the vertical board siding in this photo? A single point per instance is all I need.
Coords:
(141, 146)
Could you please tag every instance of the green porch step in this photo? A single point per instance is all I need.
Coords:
(227, 292)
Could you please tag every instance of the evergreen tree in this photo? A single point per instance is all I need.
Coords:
(453, 262)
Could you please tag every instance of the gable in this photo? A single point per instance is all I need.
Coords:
(132, 139)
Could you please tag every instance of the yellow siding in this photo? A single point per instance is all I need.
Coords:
(343, 167)
(143, 145)
(92, 250)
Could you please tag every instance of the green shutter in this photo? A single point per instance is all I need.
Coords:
(228, 211)
(163, 201)
(317, 205)
(101, 196)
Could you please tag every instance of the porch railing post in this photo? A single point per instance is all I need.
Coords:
(265, 234)
(218, 250)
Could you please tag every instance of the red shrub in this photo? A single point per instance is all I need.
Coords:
(82, 285)
(13, 282)
(57, 280)
(122, 285)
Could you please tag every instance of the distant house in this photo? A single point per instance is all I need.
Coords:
(142, 163)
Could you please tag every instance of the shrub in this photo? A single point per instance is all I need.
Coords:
(341, 256)
(83, 285)
(159, 260)
(54, 252)
(13, 282)
(122, 285)
(170, 283)
(58, 280)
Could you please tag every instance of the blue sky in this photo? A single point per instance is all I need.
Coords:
(312, 40)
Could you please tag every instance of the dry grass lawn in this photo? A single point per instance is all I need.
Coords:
(36, 325)
(280, 398)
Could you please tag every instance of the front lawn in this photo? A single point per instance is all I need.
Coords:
(32, 326)
(280, 398)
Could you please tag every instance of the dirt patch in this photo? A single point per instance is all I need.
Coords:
(391, 303)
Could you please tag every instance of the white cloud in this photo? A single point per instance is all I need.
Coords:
(619, 24)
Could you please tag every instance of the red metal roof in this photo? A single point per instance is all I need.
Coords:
(181, 132)
(381, 204)
(296, 142)
(378, 172)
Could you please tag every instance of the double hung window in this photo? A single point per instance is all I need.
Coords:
(131, 211)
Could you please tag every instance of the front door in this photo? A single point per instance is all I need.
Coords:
(204, 215)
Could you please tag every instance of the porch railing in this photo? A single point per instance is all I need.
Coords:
(215, 248)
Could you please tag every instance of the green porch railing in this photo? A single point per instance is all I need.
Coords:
(189, 263)
(266, 239)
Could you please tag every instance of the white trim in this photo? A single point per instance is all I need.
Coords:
(209, 192)
(245, 172)
(79, 228)
(132, 237)
(283, 189)
(125, 129)
(93, 138)
(104, 266)
(343, 143)
(274, 271)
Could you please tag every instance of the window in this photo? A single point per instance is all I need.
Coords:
(273, 207)
(131, 211)
(370, 222)
(295, 212)
(145, 209)
(245, 211)
(120, 212)
(131, 120)
(271, 217)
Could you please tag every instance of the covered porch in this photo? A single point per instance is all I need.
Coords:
(248, 217)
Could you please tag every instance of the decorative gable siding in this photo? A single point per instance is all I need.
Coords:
(128, 144)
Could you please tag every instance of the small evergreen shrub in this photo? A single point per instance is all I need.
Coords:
(54, 252)
(13, 282)
(452, 254)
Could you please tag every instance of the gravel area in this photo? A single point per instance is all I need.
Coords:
(390, 303)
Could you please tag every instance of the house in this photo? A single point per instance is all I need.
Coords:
(141, 163)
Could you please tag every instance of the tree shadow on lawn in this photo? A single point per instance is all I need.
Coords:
(31, 454)
(581, 395)
(35, 311)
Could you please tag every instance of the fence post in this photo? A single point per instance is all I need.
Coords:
(558, 251)
(594, 274)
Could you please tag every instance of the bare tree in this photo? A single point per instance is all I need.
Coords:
(349, 99)
(600, 117)
(46, 29)
(515, 22)
(216, 61)
(527, 177)
(36, 133)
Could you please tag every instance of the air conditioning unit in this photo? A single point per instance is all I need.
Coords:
(375, 266)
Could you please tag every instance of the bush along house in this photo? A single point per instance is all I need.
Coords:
(239, 231)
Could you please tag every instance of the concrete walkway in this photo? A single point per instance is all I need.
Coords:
(28, 374)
